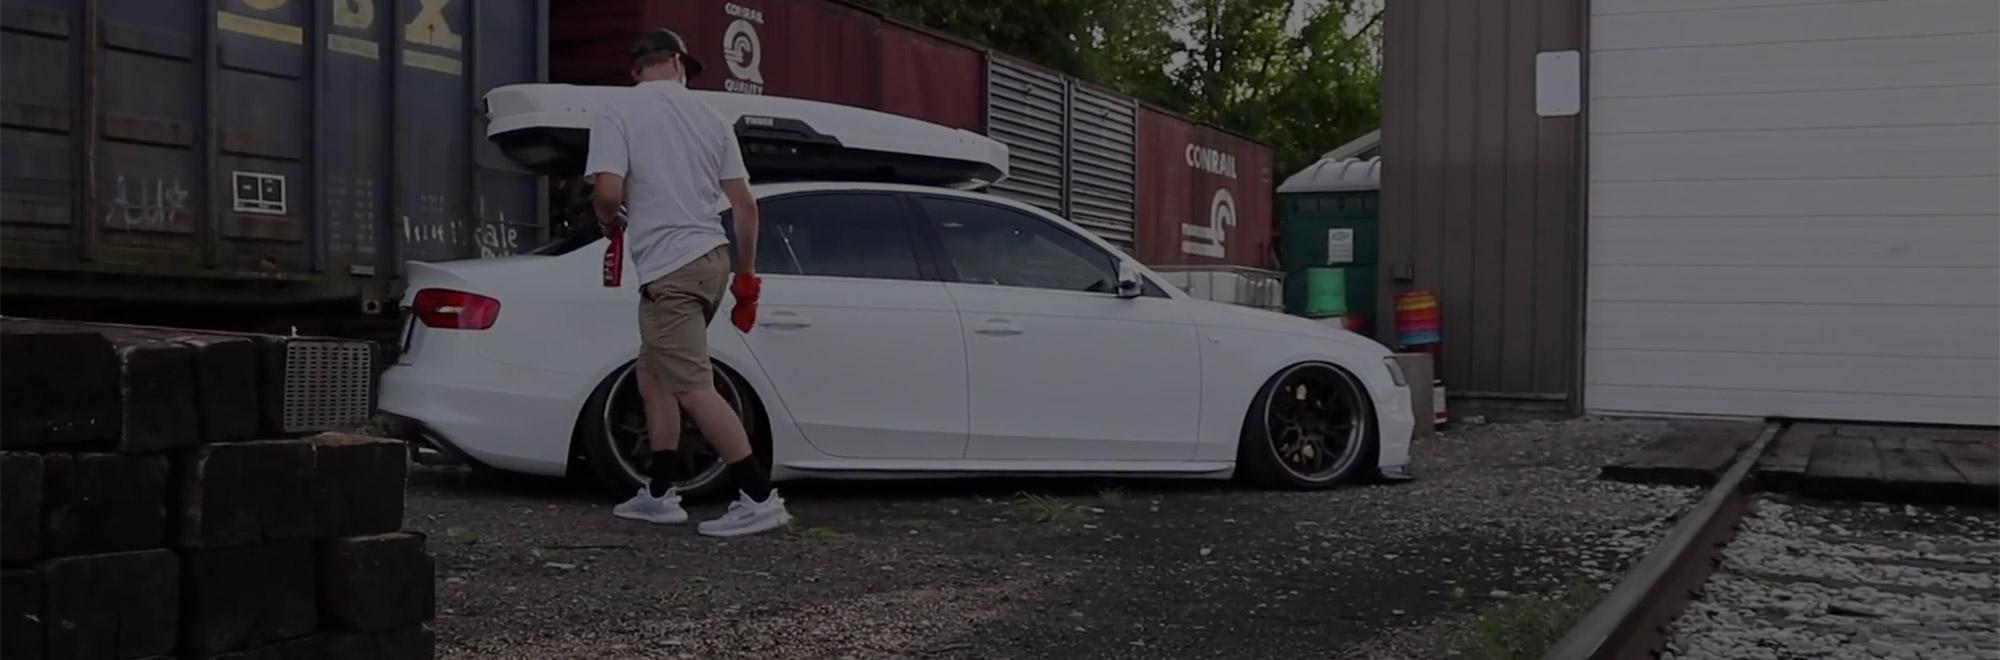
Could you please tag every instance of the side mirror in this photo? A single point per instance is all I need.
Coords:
(1130, 284)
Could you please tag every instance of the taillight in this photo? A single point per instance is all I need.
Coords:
(446, 308)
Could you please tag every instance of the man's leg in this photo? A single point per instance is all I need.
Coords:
(663, 433)
(724, 430)
(689, 376)
(657, 501)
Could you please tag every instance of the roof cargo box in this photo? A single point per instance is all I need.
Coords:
(546, 128)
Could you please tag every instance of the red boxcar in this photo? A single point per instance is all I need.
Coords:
(810, 49)
(1204, 194)
(932, 78)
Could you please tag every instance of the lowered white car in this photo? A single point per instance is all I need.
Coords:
(905, 330)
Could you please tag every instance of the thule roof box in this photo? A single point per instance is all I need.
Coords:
(546, 129)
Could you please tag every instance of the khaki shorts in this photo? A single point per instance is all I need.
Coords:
(674, 312)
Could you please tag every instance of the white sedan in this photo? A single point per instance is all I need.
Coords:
(903, 331)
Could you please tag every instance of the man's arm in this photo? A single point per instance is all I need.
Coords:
(735, 181)
(609, 161)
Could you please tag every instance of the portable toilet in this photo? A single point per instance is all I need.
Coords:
(1330, 224)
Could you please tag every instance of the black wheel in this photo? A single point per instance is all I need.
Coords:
(615, 445)
(1311, 426)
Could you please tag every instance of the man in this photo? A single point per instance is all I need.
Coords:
(665, 158)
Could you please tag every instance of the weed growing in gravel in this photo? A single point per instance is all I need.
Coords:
(461, 536)
(1113, 495)
(817, 533)
(1518, 627)
(1029, 507)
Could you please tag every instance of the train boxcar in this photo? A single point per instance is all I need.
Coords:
(1205, 194)
(811, 49)
(256, 151)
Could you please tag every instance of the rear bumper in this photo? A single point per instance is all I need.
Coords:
(485, 413)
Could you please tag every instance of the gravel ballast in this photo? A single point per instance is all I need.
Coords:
(1079, 570)
(1840, 581)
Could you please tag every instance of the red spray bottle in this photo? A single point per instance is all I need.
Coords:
(614, 259)
(614, 253)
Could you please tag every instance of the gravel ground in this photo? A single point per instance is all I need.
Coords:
(1125, 570)
(1831, 582)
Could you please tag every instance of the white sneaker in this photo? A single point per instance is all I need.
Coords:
(665, 509)
(747, 516)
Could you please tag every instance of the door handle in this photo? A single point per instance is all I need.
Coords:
(784, 321)
(998, 328)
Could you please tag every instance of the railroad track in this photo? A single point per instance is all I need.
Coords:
(1801, 581)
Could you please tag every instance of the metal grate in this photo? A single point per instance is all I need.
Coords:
(1027, 109)
(1104, 145)
(329, 383)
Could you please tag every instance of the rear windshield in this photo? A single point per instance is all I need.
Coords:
(568, 240)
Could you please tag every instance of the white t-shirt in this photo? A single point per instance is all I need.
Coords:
(674, 152)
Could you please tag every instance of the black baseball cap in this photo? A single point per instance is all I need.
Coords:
(662, 40)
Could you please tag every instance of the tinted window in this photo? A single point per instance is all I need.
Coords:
(838, 235)
(989, 244)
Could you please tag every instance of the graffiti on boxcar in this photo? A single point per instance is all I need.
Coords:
(147, 203)
(448, 232)
(497, 239)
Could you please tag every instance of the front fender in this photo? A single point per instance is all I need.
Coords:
(1237, 362)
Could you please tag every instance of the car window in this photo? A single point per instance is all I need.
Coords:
(834, 235)
(990, 244)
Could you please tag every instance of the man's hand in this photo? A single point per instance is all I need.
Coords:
(615, 223)
(745, 287)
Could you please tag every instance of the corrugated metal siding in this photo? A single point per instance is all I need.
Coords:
(1480, 196)
(1104, 145)
(315, 144)
(1204, 195)
(932, 78)
(1026, 108)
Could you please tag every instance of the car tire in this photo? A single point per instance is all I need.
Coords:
(1258, 461)
(602, 457)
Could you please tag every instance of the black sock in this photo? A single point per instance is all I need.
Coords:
(663, 472)
(751, 477)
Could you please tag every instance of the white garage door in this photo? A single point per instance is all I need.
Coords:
(1795, 209)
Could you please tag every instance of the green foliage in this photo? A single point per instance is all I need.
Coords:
(1233, 63)
(1517, 628)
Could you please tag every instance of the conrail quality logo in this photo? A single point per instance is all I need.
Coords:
(743, 50)
(1210, 240)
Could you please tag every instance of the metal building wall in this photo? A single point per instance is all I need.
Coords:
(1480, 195)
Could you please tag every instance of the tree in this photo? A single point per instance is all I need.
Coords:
(1299, 75)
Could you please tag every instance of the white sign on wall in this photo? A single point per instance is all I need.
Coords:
(1340, 246)
(1558, 83)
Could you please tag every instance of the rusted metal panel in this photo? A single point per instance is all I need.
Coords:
(1204, 194)
(812, 49)
(932, 78)
(256, 150)
(809, 49)
(1480, 196)
(1103, 157)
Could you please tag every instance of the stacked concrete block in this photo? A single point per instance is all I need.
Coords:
(151, 506)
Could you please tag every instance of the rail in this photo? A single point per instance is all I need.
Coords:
(1631, 622)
